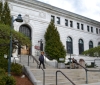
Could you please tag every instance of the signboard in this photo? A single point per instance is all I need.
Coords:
(61, 59)
(37, 47)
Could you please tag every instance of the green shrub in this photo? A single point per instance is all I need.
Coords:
(2, 82)
(90, 66)
(3, 63)
(16, 68)
(2, 72)
(7, 80)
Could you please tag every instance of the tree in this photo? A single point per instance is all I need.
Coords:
(53, 46)
(1, 7)
(5, 31)
(93, 52)
(5, 23)
(6, 17)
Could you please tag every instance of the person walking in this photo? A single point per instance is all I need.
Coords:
(41, 59)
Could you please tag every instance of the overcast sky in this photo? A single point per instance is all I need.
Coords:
(87, 8)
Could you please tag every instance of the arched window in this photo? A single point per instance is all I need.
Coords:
(69, 45)
(25, 30)
(98, 43)
(90, 44)
(81, 46)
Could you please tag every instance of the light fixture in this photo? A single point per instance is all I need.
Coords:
(18, 19)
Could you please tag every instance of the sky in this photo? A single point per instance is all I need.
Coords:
(87, 8)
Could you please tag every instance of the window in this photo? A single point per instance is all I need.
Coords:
(81, 46)
(91, 29)
(88, 28)
(58, 20)
(25, 30)
(97, 30)
(90, 44)
(66, 22)
(71, 23)
(69, 45)
(98, 43)
(53, 18)
(78, 27)
(82, 28)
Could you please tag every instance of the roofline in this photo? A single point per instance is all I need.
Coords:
(56, 10)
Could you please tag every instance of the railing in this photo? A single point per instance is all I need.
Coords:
(86, 70)
(95, 60)
(65, 76)
(40, 67)
(35, 60)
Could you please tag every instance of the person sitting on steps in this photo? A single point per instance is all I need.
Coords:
(74, 63)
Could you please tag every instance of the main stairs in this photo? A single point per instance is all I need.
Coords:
(78, 76)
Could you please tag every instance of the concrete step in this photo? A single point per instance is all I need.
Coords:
(29, 61)
(97, 83)
(78, 76)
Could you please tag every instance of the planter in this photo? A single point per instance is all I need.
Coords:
(61, 65)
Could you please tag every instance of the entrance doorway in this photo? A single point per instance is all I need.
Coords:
(25, 29)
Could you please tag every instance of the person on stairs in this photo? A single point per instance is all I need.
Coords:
(74, 63)
(41, 59)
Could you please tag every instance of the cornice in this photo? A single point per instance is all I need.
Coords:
(57, 11)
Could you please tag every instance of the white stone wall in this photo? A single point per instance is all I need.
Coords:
(38, 21)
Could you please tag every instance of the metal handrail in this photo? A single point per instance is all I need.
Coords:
(35, 59)
(86, 71)
(65, 76)
(41, 68)
(95, 60)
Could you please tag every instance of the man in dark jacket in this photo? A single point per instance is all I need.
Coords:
(41, 59)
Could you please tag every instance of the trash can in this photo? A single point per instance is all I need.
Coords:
(92, 64)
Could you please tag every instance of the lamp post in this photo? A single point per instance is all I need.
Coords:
(70, 57)
(41, 44)
(18, 19)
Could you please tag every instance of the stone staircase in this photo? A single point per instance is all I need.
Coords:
(78, 76)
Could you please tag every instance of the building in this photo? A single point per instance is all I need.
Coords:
(77, 33)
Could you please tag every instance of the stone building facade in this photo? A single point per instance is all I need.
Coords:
(77, 33)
